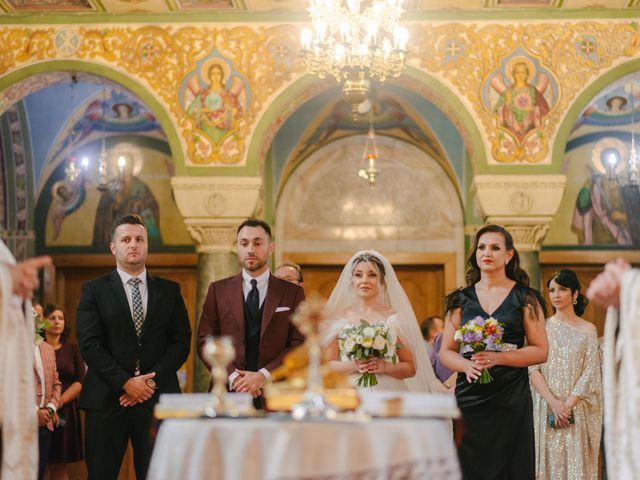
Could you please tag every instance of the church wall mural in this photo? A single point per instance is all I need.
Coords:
(216, 97)
(18, 188)
(326, 119)
(77, 212)
(598, 209)
(518, 80)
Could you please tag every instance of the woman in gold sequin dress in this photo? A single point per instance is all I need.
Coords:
(567, 389)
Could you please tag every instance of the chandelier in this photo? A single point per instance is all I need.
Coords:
(355, 42)
(369, 156)
(106, 181)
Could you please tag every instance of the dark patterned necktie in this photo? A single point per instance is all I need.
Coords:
(136, 300)
(253, 307)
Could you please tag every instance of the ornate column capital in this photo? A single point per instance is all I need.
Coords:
(523, 204)
(212, 208)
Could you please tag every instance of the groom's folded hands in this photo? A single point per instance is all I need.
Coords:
(249, 382)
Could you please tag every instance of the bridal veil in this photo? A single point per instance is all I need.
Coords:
(392, 295)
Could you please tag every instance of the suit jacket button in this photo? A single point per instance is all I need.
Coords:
(139, 344)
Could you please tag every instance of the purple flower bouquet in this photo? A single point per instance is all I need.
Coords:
(479, 335)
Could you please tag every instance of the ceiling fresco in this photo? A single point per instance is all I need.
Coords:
(288, 6)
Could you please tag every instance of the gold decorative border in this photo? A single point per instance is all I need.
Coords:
(574, 52)
(160, 56)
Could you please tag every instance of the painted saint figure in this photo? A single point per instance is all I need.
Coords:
(521, 105)
(215, 108)
(131, 195)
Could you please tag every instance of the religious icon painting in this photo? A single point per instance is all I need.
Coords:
(215, 97)
(520, 93)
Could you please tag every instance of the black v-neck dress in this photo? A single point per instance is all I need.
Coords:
(498, 439)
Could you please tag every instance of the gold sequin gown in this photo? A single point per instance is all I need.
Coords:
(573, 368)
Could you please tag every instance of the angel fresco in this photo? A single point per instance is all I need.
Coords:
(67, 197)
(521, 105)
(215, 100)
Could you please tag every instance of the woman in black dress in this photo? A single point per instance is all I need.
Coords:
(66, 443)
(498, 438)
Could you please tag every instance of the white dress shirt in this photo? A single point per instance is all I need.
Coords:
(263, 283)
(142, 286)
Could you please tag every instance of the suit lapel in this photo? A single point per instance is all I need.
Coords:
(152, 301)
(274, 294)
(118, 289)
(235, 295)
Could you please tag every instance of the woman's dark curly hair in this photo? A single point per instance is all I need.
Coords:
(512, 269)
(569, 279)
(532, 297)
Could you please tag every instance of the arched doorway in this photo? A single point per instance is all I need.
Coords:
(412, 215)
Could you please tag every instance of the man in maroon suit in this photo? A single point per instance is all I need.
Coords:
(254, 308)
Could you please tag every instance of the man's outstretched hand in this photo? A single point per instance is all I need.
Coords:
(25, 275)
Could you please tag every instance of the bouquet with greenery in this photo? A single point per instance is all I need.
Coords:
(478, 335)
(360, 342)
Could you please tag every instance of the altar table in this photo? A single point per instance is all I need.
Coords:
(278, 448)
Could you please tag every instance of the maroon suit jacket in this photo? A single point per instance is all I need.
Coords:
(223, 314)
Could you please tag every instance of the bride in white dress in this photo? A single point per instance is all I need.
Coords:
(369, 290)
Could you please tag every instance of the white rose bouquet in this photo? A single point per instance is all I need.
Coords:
(368, 340)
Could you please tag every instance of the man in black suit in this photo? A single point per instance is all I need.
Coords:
(254, 308)
(134, 334)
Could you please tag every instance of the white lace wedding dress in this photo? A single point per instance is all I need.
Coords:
(385, 382)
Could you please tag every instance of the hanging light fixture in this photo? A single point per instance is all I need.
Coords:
(102, 157)
(72, 170)
(355, 42)
(370, 154)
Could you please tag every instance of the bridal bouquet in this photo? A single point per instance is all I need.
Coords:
(368, 340)
(478, 335)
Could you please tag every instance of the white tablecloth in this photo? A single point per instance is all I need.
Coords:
(275, 448)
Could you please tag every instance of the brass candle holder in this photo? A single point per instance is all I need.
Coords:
(309, 318)
(219, 351)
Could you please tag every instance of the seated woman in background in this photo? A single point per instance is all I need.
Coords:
(567, 389)
(66, 444)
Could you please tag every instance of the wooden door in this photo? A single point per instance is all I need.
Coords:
(424, 284)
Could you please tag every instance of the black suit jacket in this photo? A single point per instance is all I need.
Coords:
(223, 314)
(110, 346)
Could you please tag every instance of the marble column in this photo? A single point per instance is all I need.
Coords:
(212, 208)
(525, 206)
